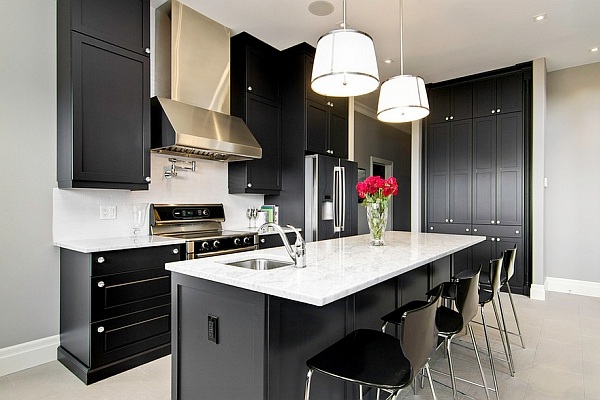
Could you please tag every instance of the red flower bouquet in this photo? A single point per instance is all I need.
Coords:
(375, 192)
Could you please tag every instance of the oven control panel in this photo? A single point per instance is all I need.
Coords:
(223, 245)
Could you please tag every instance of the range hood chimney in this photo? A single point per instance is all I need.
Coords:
(189, 115)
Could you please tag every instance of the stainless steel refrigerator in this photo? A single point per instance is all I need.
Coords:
(330, 198)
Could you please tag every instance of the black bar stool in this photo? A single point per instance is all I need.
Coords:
(372, 358)
(508, 271)
(465, 293)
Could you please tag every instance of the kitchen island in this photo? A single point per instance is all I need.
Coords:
(247, 334)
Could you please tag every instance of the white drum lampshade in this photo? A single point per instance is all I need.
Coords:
(402, 98)
(345, 64)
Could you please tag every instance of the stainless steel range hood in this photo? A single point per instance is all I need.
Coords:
(192, 66)
(183, 129)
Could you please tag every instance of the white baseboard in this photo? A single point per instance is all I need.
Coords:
(537, 292)
(583, 288)
(26, 355)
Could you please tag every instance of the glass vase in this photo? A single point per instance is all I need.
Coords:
(377, 218)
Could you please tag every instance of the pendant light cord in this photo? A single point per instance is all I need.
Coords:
(344, 14)
(401, 46)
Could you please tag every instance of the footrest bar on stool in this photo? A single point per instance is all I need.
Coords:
(491, 389)
(469, 345)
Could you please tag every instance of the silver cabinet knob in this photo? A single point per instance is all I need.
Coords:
(331, 104)
(517, 232)
(451, 117)
(497, 239)
(493, 239)
(475, 230)
(466, 229)
(431, 228)
(148, 179)
(100, 329)
(447, 118)
(101, 284)
(497, 222)
(100, 260)
(493, 222)
(147, 50)
(451, 220)
(446, 219)
(498, 110)
(249, 88)
(249, 185)
(175, 251)
(493, 111)
(262, 240)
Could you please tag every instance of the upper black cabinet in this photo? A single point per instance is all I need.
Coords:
(451, 103)
(103, 98)
(255, 98)
(124, 23)
(503, 94)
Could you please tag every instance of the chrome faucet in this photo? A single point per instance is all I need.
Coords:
(298, 252)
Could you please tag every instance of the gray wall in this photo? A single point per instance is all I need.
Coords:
(573, 169)
(374, 138)
(28, 260)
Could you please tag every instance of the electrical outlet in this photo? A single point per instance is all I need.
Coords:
(213, 329)
(108, 212)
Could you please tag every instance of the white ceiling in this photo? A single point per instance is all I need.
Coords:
(443, 39)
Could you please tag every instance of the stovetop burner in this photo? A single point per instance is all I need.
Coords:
(200, 226)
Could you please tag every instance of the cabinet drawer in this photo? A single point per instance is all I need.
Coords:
(274, 240)
(119, 294)
(119, 261)
(498, 230)
(453, 229)
(121, 337)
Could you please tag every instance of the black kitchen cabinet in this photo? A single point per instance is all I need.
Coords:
(451, 103)
(103, 95)
(114, 309)
(498, 170)
(477, 167)
(274, 240)
(255, 97)
(498, 95)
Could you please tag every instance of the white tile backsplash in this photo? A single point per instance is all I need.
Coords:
(76, 212)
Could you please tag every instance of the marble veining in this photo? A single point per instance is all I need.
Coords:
(116, 243)
(334, 268)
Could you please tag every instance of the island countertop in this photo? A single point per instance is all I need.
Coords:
(334, 268)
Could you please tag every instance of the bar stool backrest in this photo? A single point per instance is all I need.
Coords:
(467, 296)
(495, 271)
(510, 256)
(418, 334)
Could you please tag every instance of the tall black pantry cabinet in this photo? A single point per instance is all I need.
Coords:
(478, 161)
(103, 85)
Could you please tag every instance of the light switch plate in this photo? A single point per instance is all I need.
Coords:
(108, 212)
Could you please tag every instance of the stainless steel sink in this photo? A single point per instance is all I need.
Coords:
(260, 264)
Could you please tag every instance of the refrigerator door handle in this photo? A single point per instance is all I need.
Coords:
(339, 183)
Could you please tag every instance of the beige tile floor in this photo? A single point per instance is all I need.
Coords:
(560, 361)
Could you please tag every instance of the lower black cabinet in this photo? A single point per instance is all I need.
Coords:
(274, 240)
(115, 309)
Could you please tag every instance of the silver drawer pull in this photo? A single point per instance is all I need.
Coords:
(175, 251)
(101, 284)
(100, 329)
(475, 230)
(101, 260)
(493, 239)
(467, 230)
(431, 228)
(262, 240)
(517, 232)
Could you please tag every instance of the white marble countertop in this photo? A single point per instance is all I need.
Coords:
(334, 268)
(116, 243)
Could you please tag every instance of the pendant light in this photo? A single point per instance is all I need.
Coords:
(345, 64)
(402, 98)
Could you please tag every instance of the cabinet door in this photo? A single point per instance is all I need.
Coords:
(460, 172)
(462, 102)
(338, 135)
(484, 98)
(509, 208)
(484, 174)
(262, 73)
(317, 116)
(111, 113)
(509, 93)
(263, 119)
(439, 105)
(311, 94)
(438, 172)
(482, 253)
(124, 23)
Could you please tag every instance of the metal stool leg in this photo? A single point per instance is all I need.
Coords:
(489, 348)
(470, 329)
(512, 303)
(451, 367)
(430, 381)
(307, 388)
(502, 337)
(510, 357)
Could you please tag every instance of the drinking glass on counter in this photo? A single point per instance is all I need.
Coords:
(137, 212)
